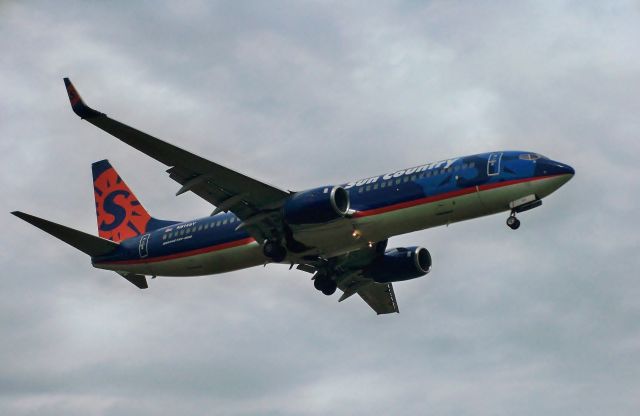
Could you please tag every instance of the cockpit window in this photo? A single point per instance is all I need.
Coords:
(531, 156)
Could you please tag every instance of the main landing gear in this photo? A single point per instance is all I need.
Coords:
(275, 251)
(325, 284)
(512, 221)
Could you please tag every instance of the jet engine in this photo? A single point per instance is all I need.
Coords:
(402, 263)
(316, 205)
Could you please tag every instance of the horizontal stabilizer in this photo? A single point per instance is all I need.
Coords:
(138, 280)
(87, 243)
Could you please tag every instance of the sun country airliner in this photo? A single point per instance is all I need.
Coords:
(338, 233)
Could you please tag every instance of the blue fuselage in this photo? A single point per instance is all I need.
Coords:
(393, 203)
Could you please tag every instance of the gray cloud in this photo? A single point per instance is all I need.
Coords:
(542, 321)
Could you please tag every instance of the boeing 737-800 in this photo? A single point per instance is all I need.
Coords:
(337, 233)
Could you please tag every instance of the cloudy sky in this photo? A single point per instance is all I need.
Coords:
(544, 320)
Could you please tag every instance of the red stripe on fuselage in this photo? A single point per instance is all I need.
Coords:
(446, 195)
(197, 251)
(359, 214)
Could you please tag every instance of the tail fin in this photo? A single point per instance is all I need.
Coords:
(120, 214)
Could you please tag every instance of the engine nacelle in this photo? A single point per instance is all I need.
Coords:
(400, 264)
(316, 205)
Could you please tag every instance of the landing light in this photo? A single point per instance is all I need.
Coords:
(356, 234)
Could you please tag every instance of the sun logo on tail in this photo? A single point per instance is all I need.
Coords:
(120, 215)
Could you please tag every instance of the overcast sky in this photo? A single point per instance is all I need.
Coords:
(544, 320)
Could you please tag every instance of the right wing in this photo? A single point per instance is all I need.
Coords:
(380, 297)
(251, 200)
(349, 272)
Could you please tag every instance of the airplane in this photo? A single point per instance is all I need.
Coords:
(336, 233)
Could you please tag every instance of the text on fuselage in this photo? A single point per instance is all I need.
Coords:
(444, 164)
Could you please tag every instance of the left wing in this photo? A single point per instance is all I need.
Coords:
(251, 200)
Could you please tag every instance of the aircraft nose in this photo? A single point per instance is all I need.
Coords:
(551, 167)
(566, 169)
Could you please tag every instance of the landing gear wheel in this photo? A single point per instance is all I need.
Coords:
(275, 251)
(325, 285)
(513, 222)
(330, 288)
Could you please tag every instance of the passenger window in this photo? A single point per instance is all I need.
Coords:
(464, 166)
(200, 227)
(164, 236)
(405, 179)
(398, 181)
(413, 177)
(224, 222)
(231, 220)
(218, 223)
(206, 226)
(368, 188)
(383, 184)
(360, 190)
(193, 230)
(182, 232)
(472, 164)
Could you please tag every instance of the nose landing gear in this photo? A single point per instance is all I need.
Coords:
(520, 205)
(512, 221)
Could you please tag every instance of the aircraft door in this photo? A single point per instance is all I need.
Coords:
(143, 246)
(493, 164)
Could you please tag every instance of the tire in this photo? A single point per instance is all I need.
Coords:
(330, 289)
(274, 251)
(513, 223)
(325, 285)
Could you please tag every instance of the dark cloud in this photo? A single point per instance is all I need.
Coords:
(542, 321)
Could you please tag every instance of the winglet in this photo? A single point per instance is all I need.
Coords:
(78, 106)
